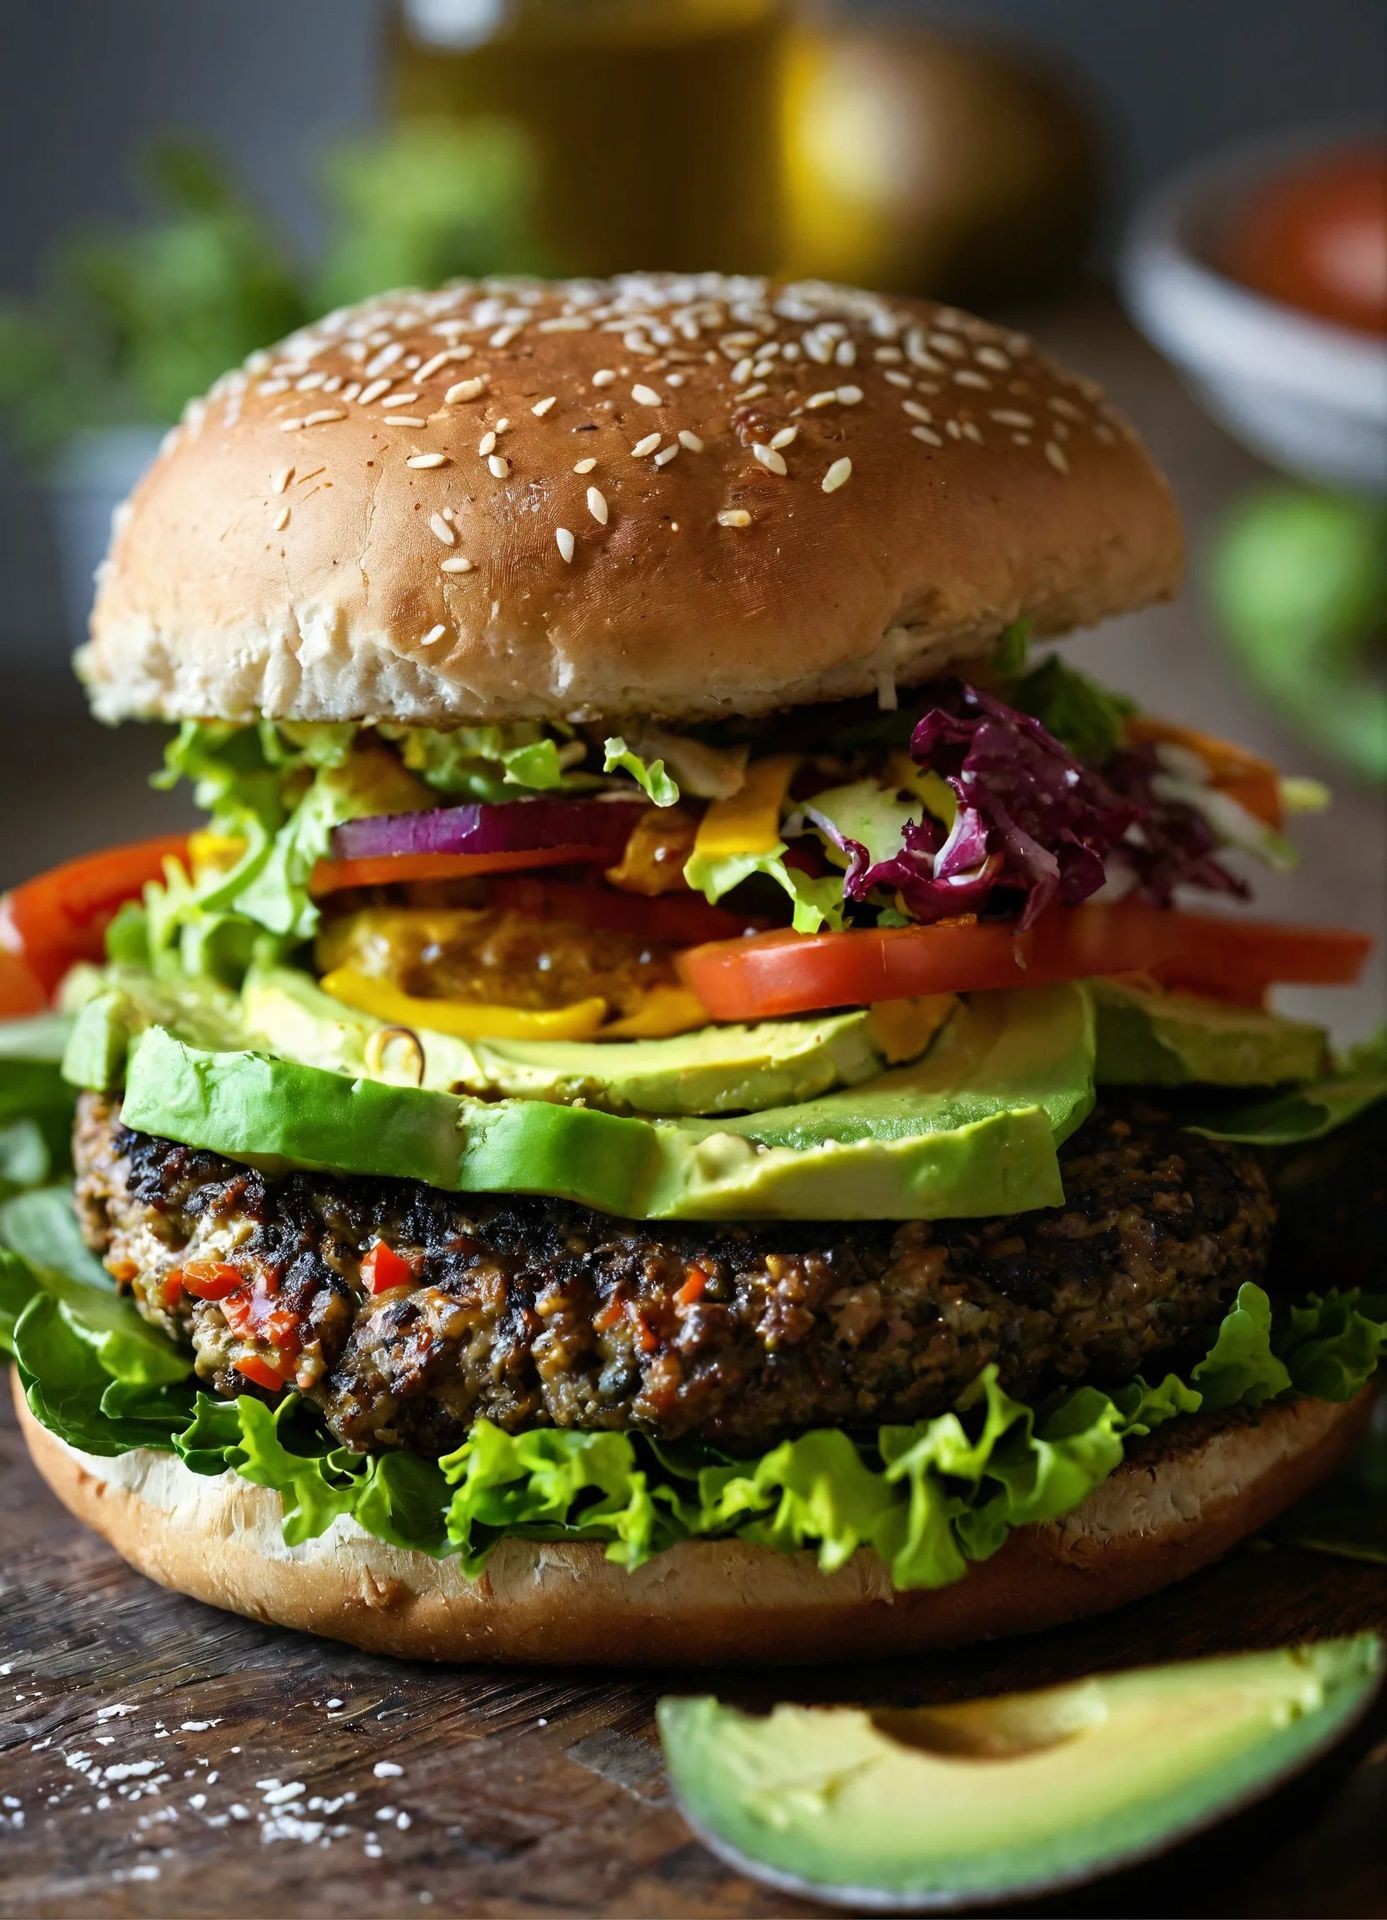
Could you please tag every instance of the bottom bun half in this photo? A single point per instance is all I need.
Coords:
(1180, 1501)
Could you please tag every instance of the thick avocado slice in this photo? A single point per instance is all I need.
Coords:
(1024, 1794)
(1148, 1039)
(731, 1069)
(971, 1132)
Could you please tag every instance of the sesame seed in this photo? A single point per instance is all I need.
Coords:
(645, 446)
(849, 396)
(281, 480)
(427, 460)
(442, 530)
(769, 458)
(499, 465)
(400, 399)
(897, 377)
(825, 398)
(916, 411)
(597, 506)
(487, 444)
(784, 438)
(845, 353)
(281, 520)
(603, 377)
(466, 390)
(755, 391)
(456, 565)
(742, 372)
(1011, 417)
(646, 396)
(541, 407)
(290, 426)
(993, 357)
(966, 377)
(370, 394)
(688, 438)
(565, 543)
(1057, 457)
(404, 420)
(928, 435)
(838, 474)
(584, 466)
(734, 517)
(666, 454)
(502, 425)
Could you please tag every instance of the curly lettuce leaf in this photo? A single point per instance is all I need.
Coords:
(1083, 716)
(659, 787)
(816, 902)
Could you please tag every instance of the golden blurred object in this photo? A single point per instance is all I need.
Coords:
(651, 124)
(918, 162)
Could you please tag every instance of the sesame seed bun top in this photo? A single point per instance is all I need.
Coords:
(656, 495)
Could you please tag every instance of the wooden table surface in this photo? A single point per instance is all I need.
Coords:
(159, 1758)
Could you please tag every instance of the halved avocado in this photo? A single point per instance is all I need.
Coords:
(1021, 1795)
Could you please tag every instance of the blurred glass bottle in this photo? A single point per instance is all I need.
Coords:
(653, 124)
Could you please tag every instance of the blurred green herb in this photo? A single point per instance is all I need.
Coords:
(131, 324)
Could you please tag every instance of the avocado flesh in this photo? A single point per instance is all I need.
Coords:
(732, 1069)
(971, 1130)
(1021, 1794)
(1150, 1039)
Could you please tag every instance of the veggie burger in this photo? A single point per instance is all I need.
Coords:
(697, 1096)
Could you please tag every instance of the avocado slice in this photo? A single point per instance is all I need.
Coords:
(1155, 1039)
(732, 1069)
(971, 1130)
(1021, 1795)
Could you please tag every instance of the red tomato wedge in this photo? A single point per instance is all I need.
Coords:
(385, 869)
(51, 922)
(676, 920)
(783, 973)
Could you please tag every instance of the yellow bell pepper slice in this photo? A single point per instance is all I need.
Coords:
(663, 1011)
(935, 791)
(580, 1020)
(750, 821)
(214, 852)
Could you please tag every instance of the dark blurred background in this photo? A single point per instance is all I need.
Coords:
(996, 152)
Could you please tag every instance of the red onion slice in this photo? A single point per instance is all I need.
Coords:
(516, 826)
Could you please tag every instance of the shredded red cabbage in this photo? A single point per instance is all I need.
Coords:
(1034, 825)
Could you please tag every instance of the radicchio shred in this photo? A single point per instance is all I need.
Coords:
(1034, 825)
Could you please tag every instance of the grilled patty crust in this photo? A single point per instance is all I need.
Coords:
(532, 1312)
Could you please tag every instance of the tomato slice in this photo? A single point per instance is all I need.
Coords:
(783, 973)
(21, 992)
(676, 920)
(51, 922)
(384, 870)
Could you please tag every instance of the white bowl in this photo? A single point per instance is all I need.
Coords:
(1306, 395)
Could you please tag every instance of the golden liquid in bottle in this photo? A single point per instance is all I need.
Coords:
(653, 123)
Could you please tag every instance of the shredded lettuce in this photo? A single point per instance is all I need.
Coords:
(929, 1497)
(816, 902)
(659, 787)
(490, 763)
(1080, 714)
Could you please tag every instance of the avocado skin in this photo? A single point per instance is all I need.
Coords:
(970, 1131)
(1174, 1040)
(1020, 1795)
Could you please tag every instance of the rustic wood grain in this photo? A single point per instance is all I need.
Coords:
(519, 1792)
